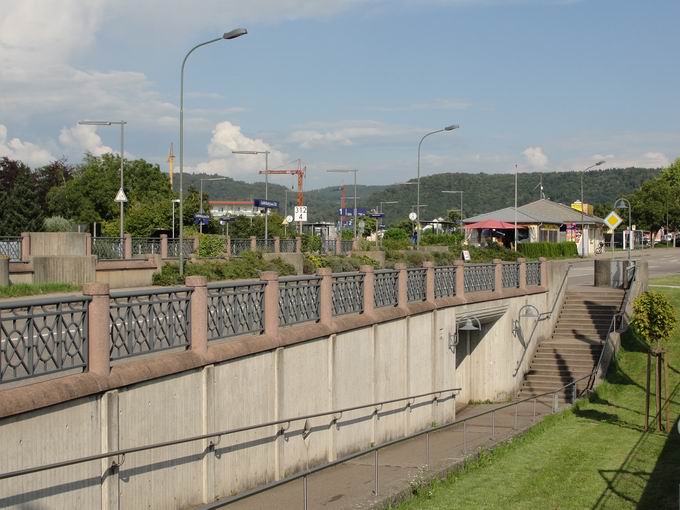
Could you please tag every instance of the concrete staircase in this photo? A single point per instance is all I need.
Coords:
(575, 346)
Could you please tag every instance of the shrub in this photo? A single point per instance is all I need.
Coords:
(490, 252)
(535, 250)
(451, 240)
(396, 244)
(57, 224)
(654, 319)
(210, 245)
(311, 244)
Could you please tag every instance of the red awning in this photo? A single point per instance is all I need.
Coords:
(495, 224)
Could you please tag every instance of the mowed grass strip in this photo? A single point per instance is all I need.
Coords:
(23, 289)
(594, 455)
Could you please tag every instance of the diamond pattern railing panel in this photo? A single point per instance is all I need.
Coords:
(415, 284)
(10, 247)
(533, 273)
(107, 248)
(444, 281)
(238, 246)
(510, 275)
(480, 277)
(299, 299)
(287, 245)
(235, 309)
(146, 246)
(348, 293)
(386, 288)
(173, 248)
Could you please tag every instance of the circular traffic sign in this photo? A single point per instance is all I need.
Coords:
(412, 216)
(289, 218)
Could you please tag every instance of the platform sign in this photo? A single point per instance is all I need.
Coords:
(349, 211)
(201, 219)
(265, 204)
(613, 220)
(300, 213)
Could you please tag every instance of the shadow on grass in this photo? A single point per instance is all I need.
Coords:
(661, 490)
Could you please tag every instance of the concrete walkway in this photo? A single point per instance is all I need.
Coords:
(351, 485)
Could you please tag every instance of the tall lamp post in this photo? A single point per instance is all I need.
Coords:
(266, 185)
(238, 32)
(447, 128)
(200, 226)
(347, 171)
(174, 201)
(121, 193)
(583, 237)
(461, 205)
(623, 203)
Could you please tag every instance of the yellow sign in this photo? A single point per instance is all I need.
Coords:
(613, 220)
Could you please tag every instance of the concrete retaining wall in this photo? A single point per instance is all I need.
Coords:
(4, 271)
(58, 243)
(294, 259)
(65, 268)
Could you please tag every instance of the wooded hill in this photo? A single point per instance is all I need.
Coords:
(482, 192)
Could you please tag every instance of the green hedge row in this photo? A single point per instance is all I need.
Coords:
(534, 250)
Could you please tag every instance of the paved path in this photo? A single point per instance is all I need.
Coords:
(351, 485)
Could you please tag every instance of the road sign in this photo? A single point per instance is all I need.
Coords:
(412, 216)
(300, 213)
(201, 219)
(289, 218)
(349, 211)
(376, 215)
(613, 220)
(120, 196)
(265, 204)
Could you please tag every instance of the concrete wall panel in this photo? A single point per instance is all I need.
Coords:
(420, 361)
(391, 378)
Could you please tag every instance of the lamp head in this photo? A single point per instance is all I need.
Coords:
(468, 326)
(600, 163)
(233, 34)
(451, 127)
(621, 204)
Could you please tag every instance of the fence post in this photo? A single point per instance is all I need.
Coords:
(98, 323)
(522, 272)
(338, 245)
(25, 246)
(277, 244)
(164, 246)
(253, 243)
(460, 278)
(227, 246)
(325, 295)
(88, 244)
(544, 272)
(498, 284)
(271, 303)
(429, 280)
(298, 244)
(127, 246)
(369, 286)
(403, 285)
(199, 313)
(197, 244)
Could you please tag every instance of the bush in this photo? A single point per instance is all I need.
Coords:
(654, 319)
(311, 244)
(338, 263)
(552, 250)
(396, 234)
(57, 224)
(396, 244)
(451, 240)
(210, 245)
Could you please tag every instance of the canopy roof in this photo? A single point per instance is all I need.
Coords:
(498, 225)
(540, 211)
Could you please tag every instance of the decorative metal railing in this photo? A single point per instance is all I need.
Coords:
(235, 308)
(10, 247)
(265, 245)
(107, 248)
(347, 293)
(238, 246)
(386, 288)
(533, 273)
(146, 246)
(173, 247)
(510, 275)
(149, 321)
(479, 277)
(415, 284)
(444, 281)
(299, 299)
(42, 336)
(287, 245)
(328, 246)
(346, 246)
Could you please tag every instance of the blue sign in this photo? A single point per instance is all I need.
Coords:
(265, 204)
(349, 211)
(201, 219)
(376, 215)
(224, 220)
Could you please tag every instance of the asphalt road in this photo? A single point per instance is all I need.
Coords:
(662, 262)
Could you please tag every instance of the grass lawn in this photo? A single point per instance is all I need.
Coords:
(23, 289)
(595, 455)
(667, 280)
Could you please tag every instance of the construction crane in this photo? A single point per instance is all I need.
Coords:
(171, 161)
(299, 171)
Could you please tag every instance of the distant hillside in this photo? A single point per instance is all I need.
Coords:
(482, 192)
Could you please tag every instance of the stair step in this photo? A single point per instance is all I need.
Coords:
(556, 372)
(583, 356)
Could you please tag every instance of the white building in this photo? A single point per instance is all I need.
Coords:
(219, 208)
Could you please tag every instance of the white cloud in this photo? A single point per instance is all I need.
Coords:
(536, 157)
(345, 134)
(79, 139)
(227, 137)
(29, 153)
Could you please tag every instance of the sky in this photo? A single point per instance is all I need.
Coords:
(543, 84)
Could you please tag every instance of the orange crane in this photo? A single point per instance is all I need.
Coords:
(299, 171)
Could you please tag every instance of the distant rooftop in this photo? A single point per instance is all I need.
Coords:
(540, 211)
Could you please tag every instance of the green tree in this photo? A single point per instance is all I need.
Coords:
(658, 200)
(19, 208)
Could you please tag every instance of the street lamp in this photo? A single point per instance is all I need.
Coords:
(447, 128)
(347, 171)
(120, 197)
(266, 185)
(461, 205)
(238, 32)
(174, 201)
(583, 246)
(623, 203)
(200, 225)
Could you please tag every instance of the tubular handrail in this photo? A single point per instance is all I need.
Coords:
(39, 301)
(310, 471)
(217, 434)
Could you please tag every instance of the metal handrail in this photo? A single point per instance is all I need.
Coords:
(56, 300)
(218, 434)
(374, 449)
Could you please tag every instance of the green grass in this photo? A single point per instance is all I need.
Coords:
(667, 280)
(595, 455)
(24, 289)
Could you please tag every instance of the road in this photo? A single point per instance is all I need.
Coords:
(662, 262)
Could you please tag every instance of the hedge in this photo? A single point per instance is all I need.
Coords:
(534, 250)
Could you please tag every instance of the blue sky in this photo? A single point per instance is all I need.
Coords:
(545, 84)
